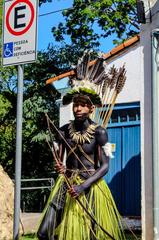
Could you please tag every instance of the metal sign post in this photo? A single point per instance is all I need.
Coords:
(17, 193)
(19, 47)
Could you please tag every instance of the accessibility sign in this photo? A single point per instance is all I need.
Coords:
(19, 32)
(8, 50)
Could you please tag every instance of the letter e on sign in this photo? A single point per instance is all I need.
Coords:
(16, 16)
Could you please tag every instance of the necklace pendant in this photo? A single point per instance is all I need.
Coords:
(81, 138)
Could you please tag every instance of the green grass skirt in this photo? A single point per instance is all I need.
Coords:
(76, 223)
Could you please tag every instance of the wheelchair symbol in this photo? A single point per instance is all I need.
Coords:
(8, 50)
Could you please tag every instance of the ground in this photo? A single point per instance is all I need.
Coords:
(30, 223)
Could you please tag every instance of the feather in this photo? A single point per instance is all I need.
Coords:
(105, 84)
(121, 79)
(100, 78)
(82, 67)
(114, 75)
(96, 70)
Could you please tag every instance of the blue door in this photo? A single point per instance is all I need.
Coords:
(124, 176)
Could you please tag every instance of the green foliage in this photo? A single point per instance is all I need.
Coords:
(7, 117)
(38, 99)
(1, 3)
(85, 17)
(5, 105)
(28, 237)
(95, 99)
(6, 131)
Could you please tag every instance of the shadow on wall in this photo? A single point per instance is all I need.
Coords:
(126, 188)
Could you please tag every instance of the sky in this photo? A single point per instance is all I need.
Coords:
(46, 22)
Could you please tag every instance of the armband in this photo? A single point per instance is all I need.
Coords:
(107, 148)
(56, 146)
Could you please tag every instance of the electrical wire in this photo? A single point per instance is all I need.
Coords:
(60, 10)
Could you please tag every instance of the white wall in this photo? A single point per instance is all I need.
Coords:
(66, 114)
(131, 57)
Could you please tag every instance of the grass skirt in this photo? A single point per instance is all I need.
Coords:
(76, 224)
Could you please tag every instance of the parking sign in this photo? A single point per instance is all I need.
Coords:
(19, 32)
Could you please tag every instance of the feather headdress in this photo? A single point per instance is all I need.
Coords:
(100, 84)
(86, 80)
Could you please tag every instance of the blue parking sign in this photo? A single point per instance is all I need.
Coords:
(8, 50)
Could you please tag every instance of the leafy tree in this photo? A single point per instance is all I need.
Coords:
(37, 160)
(38, 99)
(0, 18)
(0, 27)
(7, 116)
(109, 16)
(6, 130)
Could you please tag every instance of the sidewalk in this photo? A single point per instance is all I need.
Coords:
(30, 222)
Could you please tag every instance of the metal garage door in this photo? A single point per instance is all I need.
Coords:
(124, 176)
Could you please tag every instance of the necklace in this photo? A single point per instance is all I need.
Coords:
(81, 138)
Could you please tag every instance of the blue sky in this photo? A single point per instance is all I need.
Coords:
(45, 24)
